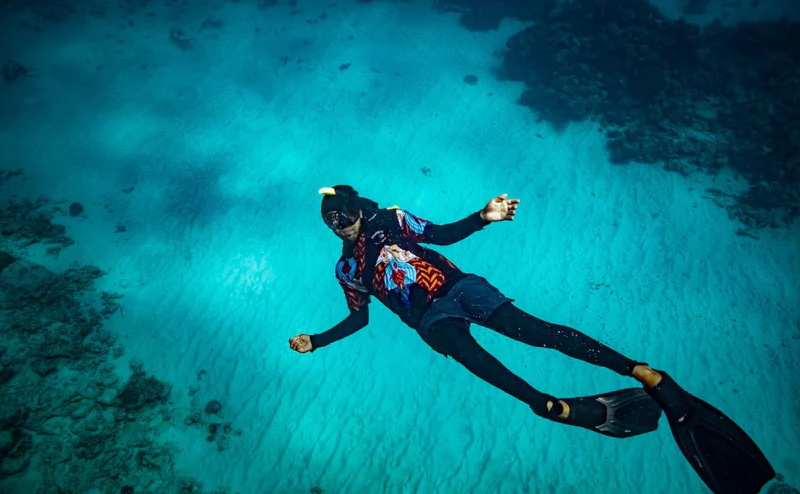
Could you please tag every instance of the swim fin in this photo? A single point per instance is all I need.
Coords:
(724, 456)
(624, 413)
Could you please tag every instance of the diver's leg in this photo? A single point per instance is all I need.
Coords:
(451, 337)
(622, 413)
(510, 321)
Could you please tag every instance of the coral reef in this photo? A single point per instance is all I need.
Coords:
(668, 92)
(69, 417)
(30, 222)
(141, 391)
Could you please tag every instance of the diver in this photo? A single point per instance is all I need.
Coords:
(382, 256)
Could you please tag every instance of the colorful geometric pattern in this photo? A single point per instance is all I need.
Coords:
(348, 272)
(412, 226)
(396, 269)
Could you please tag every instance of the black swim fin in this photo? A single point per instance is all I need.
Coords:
(624, 413)
(724, 456)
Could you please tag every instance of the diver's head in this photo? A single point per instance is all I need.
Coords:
(343, 210)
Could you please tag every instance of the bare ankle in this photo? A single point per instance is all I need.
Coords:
(646, 375)
(564, 407)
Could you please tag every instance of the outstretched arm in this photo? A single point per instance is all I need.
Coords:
(358, 303)
(423, 231)
(352, 323)
(451, 233)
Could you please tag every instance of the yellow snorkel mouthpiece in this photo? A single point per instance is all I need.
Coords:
(328, 191)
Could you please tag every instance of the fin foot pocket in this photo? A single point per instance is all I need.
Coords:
(621, 414)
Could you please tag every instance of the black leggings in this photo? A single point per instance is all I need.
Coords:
(452, 337)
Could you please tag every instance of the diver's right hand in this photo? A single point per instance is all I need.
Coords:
(300, 343)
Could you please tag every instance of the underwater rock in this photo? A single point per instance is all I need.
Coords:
(108, 398)
(23, 442)
(139, 392)
(12, 71)
(6, 260)
(213, 407)
(180, 39)
(136, 366)
(6, 442)
(7, 370)
(82, 411)
(13, 416)
(13, 466)
(190, 486)
(4, 176)
(75, 209)
(91, 391)
(192, 419)
(109, 380)
(16, 459)
(6, 374)
(90, 446)
(215, 431)
(29, 222)
(781, 488)
(151, 458)
(44, 368)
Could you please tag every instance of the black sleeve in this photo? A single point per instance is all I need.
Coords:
(352, 323)
(453, 232)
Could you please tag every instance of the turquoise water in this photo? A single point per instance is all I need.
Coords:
(224, 257)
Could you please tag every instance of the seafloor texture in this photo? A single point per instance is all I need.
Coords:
(160, 237)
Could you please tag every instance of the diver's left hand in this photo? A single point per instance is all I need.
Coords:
(500, 208)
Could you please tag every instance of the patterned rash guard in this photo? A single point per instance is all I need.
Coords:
(388, 262)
